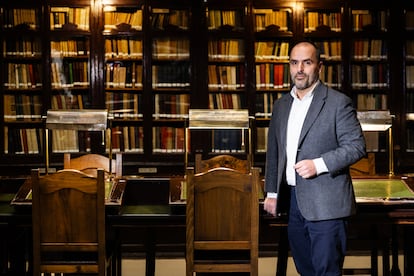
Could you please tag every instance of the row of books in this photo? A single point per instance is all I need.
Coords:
(269, 17)
(164, 48)
(70, 48)
(330, 50)
(128, 105)
(375, 49)
(375, 141)
(123, 48)
(409, 102)
(410, 140)
(23, 76)
(16, 17)
(61, 16)
(22, 107)
(331, 75)
(228, 77)
(271, 50)
(364, 18)
(272, 76)
(168, 140)
(171, 105)
(175, 75)
(261, 139)
(22, 47)
(30, 140)
(226, 49)
(222, 50)
(226, 101)
(124, 105)
(409, 76)
(409, 20)
(264, 104)
(372, 102)
(114, 18)
(409, 49)
(218, 18)
(123, 74)
(369, 76)
(162, 18)
(228, 141)
(23, 140)
(68, 73)
(65, 140)
(314, 19)
(69, 101)
(125, 139)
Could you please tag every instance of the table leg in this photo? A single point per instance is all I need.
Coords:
(386, 257)
(374, 250)
(408, 249)
(150, 252)
(395, 270)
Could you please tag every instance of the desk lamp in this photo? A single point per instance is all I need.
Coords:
(379, 120)
(77, 119)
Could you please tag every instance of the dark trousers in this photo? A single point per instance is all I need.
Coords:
(318, 247)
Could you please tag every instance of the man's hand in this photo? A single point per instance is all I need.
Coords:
(270, 205)
(306, 168)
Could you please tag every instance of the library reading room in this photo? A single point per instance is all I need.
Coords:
(156, 138)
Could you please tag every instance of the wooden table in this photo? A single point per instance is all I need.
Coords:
(151, 229)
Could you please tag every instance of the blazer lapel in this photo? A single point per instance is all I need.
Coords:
(315, 108)
(284, 117)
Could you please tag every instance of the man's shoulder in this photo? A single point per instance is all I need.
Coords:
(332, 92)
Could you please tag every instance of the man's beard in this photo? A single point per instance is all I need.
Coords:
(304, 83)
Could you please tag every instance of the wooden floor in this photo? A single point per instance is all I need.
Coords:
(267, 266)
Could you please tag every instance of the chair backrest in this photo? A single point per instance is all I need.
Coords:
(88, 163)
(224, 160)
(364, 167)
(222, 221)
(68, 218)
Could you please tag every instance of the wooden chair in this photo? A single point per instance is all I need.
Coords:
(89, 163)
(68, 214)
(222, 221)
(364, 167)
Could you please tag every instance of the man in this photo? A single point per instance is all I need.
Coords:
(314, 136)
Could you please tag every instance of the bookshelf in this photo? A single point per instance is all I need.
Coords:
(149, 61)
(409, 75)
(273, 32)
(22, 80)
(123, 75)
(226, 46)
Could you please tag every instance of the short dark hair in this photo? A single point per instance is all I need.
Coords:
(317, 49)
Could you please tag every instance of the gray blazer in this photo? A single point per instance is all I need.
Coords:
(332, 131)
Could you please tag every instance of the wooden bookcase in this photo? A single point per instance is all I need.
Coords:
(149, 61)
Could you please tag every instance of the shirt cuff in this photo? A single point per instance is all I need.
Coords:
(272, 195)
(320, 166)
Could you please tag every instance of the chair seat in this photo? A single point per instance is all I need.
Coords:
(222, 245)
(222, 267)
